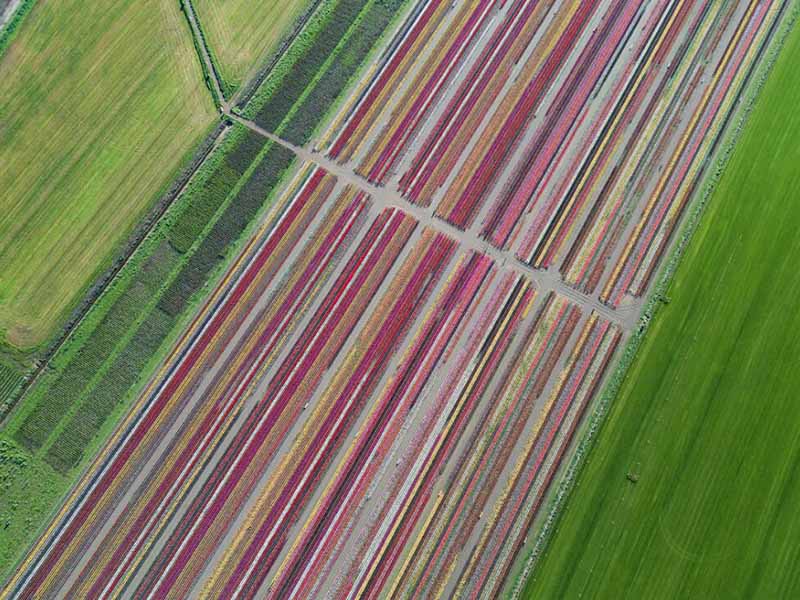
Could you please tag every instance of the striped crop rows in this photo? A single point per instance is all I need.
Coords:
(377, 395)
(569, 133)
(307, 436)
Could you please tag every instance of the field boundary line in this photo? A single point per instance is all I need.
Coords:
(211, 75)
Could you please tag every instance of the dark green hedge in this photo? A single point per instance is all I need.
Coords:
(9, 30)
(205, 199)
(303, 71)
(203, 204)
(330, 86)
(227, 229)
(245, 151)
(67, 450)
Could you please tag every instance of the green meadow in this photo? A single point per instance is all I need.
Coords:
(242, 34)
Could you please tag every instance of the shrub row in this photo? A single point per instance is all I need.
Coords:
(228, 228)
(248, 89)
(201, 208)
(342, 69)
(245, 151)
(303, 71)
(114, 273)
(226, 87)
(205, 199)
(9, 30)
(68, 448)
(73, 380)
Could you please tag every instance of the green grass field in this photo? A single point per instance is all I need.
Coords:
(708, 417)
(242, 33)
(101, 105)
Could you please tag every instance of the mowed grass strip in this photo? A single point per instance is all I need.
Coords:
(101, 104)
(708, 416)
(242, 33)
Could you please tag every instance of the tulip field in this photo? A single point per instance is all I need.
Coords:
(570, 133)
(361, 354)
(326, 389)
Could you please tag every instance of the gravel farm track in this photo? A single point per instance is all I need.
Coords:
(452, 339)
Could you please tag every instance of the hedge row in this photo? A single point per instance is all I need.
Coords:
(245, 151)
(206, 198)
(228, 228)
(338, 25)
(75, 378)
(327, 89)
(201, 208)
(67, 450)
(303, 71)
(249, 89)
(225, 86)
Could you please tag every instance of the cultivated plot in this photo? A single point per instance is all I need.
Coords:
(378, 394)
(82, 159)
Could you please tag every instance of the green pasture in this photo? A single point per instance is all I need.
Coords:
(102, 103)
(242, 34)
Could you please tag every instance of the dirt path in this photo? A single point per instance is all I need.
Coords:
(545, 281)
